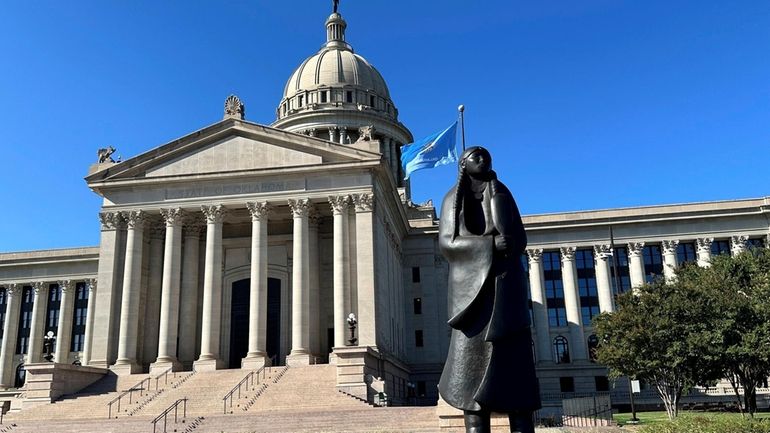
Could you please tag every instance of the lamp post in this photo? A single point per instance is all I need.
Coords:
(48, 342)
(352, 322)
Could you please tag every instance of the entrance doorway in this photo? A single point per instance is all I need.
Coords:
(239, 321)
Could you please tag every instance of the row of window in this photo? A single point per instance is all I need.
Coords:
(52, 316)
(567, 384)
(327, 95)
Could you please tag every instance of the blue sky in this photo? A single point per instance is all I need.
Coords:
(584, 104)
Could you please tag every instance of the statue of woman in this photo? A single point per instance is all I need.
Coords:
(490, 366)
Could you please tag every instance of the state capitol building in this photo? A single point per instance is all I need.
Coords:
(241, 245)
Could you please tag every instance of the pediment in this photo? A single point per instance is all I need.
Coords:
(231, 146)
(234, 153)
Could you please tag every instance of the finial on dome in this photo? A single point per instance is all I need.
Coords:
(234, 108)
(336, 5)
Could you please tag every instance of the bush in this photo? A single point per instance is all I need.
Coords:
(709, 424)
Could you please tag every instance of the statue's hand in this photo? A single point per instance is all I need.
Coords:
(503, 243)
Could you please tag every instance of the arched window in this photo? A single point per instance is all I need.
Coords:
(561, 350)
(593, 344)
(21, 376)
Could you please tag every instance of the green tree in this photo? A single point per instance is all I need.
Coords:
(659, 334)
(738, 288)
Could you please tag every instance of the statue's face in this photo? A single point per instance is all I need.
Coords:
(478, 162)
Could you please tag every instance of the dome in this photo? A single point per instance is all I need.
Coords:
(334, 67)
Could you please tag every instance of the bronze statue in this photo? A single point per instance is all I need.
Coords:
(490, 366)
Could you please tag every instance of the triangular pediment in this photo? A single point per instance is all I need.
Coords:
(231, 146)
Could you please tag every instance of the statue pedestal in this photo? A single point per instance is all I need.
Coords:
(452, 419)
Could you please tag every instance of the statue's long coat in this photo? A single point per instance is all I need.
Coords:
(490, 362)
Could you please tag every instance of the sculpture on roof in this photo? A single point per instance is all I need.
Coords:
(489, 366)
(366, 133)
(234, 108)
(336, 5)
(105, 155)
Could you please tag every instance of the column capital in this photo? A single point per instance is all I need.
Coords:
(669, 247)
(259, 210)
(567, 253)
(535, 255)
(91, 284)
(635, 249)
(12, 289)
(603, 251)
(364, 202)
(135, 219)
(738, 242)
(172, 217)
(110, 220)
(215, 214)
(704, 244)
(339, 203)
(193, 224)
(66, 285)
(299, 207)
(314, 216)
(39, 286)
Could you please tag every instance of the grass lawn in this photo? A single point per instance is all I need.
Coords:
(656, 417)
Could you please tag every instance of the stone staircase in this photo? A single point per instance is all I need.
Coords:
(296, 399)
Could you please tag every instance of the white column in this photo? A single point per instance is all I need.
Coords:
(106, 311)
(88, 343)
(340, 205)
(578, 350)
(257, 354)
(343, 135)
(539, 307)
(300, 355)
(35, 348)
(636, 264)
(703, 246)
(366, 272)
(332, 134)
(64, 335)
(129, 309)
(209, 358)
(169, 299)
(738, 244)
(314, 221)
(669, 259)
(151, 292)
(188, 316)
(13, 294)
(602, 254)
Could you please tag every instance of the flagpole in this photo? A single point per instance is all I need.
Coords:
(461, 109)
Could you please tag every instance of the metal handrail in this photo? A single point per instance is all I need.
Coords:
(130, 391)
(164, 414)
(164, 375)
(250, 376)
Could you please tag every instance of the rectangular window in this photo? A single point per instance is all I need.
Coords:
(685, 253)
(554, 289)
(755, 243)
(25, 320)
(567, 384)
(602, 383)
(371, 101)
(653, 262)
(621, 277)
(417, 305)
(52, 312)
(586, 275)
(416, 274)
(720, 247)
(349, 96)
(79, 317)
(418, 338)
(300, 100)
(323, 96)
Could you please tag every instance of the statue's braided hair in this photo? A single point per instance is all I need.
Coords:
(463, 182)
